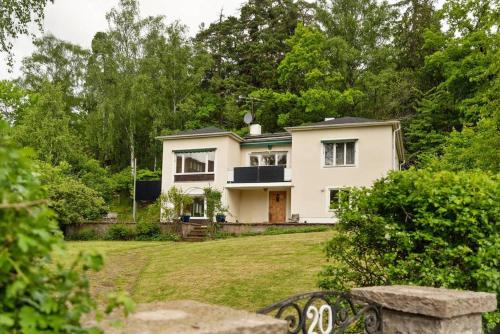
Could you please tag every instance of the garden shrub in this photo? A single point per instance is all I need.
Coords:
(37, 295)
(72, 200)
(120, 232)
(123, 181)
(97, 178)
(84, 234)
(418, 227)
(148, 175)
(152, 232)
(148, 231)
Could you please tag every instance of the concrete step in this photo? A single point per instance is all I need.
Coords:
(193, 239)
(197, 234)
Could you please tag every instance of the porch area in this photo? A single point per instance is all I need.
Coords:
(259, 203)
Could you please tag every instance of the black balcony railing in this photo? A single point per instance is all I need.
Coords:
(259, 174)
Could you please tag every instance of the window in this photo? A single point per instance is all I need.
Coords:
(197, 209)
(268, 159)
(334, 198)
(340, 153)
(195, 162)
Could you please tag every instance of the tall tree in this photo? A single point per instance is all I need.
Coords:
(13, 101)
(15, 17)
(417, 17)
(141, 74)
(59, 62)
(247, 50)
(465, 73)
(113, 78)
(45, 125)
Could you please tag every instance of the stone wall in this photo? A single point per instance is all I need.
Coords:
(404, 310)
(182, 229)
(426, 310)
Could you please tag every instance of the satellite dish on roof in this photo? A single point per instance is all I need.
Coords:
(248, 118)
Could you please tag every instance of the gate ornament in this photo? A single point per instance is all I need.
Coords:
(327, 312)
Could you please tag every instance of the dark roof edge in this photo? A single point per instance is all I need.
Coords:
(201, 135)
(345, 125)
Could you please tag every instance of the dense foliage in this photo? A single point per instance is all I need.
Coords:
(37, 295)
(71, 199)
(419, 227)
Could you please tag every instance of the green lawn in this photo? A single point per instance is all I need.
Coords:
(246, 272)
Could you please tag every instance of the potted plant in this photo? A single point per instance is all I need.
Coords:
(186, 201)
(186, 217)
(220, 216)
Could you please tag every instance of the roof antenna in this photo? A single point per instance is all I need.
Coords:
(248, 118)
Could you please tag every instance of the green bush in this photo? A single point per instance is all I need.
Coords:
(123, 181)
(37, 294)
(84, 234)
(97, 178)
(72, 200)
(148, 231)
(146, 174)
(152, 232)
(120, 232)
(419, 227)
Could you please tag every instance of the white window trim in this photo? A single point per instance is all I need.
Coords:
(269, 152)
(335, 141)
(194, 173)
(328, 189)
(204, 207)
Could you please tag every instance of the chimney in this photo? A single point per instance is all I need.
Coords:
(255, 129)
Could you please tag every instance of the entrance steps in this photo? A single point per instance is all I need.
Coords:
(197, 234)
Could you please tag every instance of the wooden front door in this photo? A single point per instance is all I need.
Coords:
(277, 206)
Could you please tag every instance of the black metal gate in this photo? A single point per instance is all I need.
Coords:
(327, 312)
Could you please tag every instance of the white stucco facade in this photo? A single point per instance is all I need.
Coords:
(301, 187)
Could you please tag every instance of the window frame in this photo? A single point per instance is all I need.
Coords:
(204, 206)
(183, 154)
(328, 191)
(275, 153)
(334, 158)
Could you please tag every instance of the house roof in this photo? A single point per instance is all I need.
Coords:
(345, 120)
(211, 129)
(341, 122)
(203, 132)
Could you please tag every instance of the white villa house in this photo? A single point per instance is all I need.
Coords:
(291, 176)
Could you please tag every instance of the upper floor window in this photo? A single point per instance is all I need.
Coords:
(189, 162)
(268, 159)
(340, 153)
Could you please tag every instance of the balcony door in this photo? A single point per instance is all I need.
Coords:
(277, 206)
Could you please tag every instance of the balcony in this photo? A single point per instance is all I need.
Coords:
(260, 174)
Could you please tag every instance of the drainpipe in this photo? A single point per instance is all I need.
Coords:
(394, 150)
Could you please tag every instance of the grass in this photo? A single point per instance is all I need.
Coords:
(245, 273)
(273, 231)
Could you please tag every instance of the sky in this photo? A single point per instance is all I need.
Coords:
(77, 21)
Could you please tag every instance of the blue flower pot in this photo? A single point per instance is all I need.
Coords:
(220, 218)
(185, 218)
